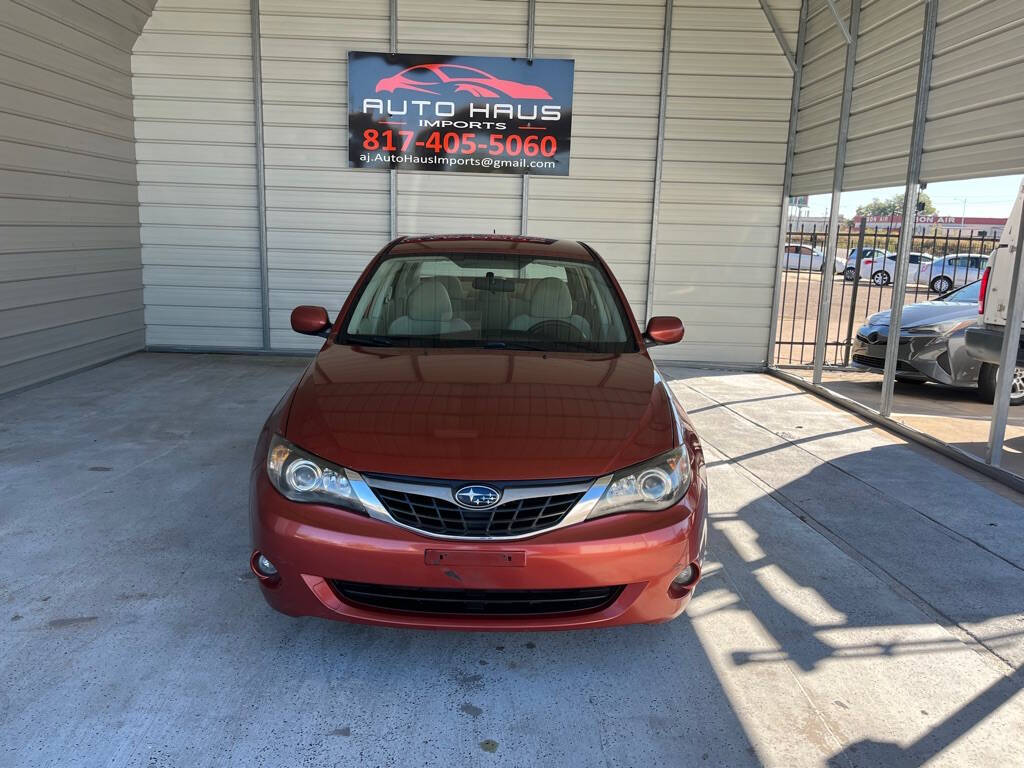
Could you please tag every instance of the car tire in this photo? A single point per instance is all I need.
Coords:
(987, 384)
(941, 284)
(881, 277)
(849, 274)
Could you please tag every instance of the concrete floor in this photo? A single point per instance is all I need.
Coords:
(862, 606)
(955, 416)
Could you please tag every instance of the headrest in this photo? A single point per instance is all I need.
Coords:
(551, 299)
(429, 301)
(451, 283)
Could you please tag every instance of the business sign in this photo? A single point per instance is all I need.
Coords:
(459, 113)
(798, 200)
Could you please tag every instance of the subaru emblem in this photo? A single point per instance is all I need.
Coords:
(477, 496)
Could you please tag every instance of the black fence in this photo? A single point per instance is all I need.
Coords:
(862, 282)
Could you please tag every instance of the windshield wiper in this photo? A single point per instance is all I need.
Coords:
(514, 345)
(370, 341)
(535, 347)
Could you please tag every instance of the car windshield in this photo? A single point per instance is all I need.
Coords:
(499, 301)
(969, 294)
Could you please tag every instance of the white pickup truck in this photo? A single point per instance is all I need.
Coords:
(984, 341)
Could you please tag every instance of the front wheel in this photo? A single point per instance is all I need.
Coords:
(881, 277)
(849, 274)
(942, 284)
(987, 384)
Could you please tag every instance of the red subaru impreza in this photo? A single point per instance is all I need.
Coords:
(482, 442)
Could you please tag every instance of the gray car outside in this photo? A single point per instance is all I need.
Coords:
(932, 345)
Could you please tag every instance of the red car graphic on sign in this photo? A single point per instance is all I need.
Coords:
(435, 79)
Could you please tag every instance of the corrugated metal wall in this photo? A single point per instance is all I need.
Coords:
(727, 122)
(821, 92)
(324, 221)
(70, 284)
(195, 132)
(975, 121)
(70, 272)
(460, 202)
(606, 199)
(728, 105)
(884, 86)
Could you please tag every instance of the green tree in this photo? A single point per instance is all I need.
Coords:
(893, 206)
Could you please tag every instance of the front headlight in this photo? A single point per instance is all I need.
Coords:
(301, 476)
(654, 485)
(943, 328)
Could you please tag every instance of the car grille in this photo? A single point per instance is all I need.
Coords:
(478, 602)
(879, 362)
(514, 518)
(869, 361)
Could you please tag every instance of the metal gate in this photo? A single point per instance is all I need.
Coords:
(940, 261)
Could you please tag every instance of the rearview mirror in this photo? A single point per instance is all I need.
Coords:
(663, 330)
(312, 321)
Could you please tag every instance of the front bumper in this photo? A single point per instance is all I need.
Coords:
(924, 357)
(313, 545)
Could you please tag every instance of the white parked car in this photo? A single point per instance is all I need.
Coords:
(803, 257)
(880, 268)
(955, 270)
(849, 269)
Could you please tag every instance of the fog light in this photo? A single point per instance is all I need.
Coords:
(685, 577)
(262, 567)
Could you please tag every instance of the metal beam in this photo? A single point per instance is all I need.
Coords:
(1008, 357)
(832, 243)
(393, 174)
(659, 158)
(261, 171)
(774, 24)
(913, 187)
(839, 22)
(787, 182)
(531, 28)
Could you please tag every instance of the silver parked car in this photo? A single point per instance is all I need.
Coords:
(932, 345)
(956, 269)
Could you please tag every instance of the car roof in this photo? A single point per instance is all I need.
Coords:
(511, 244)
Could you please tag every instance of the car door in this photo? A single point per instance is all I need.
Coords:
(954, 267)
(815, 258)
(977, 266)
(918, 262)
(793, 257)
(923, 267)
(871, 262)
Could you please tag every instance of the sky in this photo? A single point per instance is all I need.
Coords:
(991, 196)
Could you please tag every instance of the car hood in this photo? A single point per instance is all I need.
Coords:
(927, 312)
(475, 414)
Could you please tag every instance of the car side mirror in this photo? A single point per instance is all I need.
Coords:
(312, 321)
(663, 330)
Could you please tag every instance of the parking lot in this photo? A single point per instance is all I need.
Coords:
(799, 314)
(861, 607)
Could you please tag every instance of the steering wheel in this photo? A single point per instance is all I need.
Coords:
(559, 330)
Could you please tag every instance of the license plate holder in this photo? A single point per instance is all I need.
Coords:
(476, 557)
